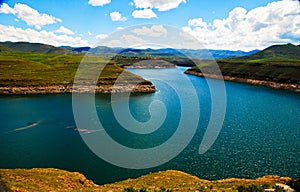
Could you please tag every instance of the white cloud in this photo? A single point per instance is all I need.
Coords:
(31, 16)
(131, 40)
(153, 31)
(89, 33)
(98, 2)
(144, 14)
(125, 41)
(6, 9)
(64, 30)
(117, 16)
(10, 33)
(161, 5)
(277, 22)
(197, 22)
(120, 28)
(101, 36)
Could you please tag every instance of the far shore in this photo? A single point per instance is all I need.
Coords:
(58, 89)
(272, 84)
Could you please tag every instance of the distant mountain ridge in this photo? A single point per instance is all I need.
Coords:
(31, 47)
(44, 48)
(276, 52)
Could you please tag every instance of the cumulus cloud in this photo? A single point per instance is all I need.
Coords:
(98, 2)
(117, 16)
(125, 40)
(101, 36)
(144, 14)
(10, 33)
(64, 30)
(31, 16)
(277, 22)
(131, 40)
(153, 31)
(6, 9)
(197, 22)
(161, 5)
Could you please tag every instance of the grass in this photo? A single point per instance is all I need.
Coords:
(38, 69)
(43, 180)
(277, 63)
(171, 180)
(281, 71)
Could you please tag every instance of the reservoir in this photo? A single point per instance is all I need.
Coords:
(259, 136)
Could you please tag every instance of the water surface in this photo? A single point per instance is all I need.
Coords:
(260, 135)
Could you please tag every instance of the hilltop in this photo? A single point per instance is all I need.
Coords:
(277, 66)
(30, 47)
(276, 53)
(39, 179)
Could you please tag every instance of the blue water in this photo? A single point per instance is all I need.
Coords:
(260, 134)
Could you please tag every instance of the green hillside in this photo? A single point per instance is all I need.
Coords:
(278, 63)
(31, 47)
(20, 69)
(285, 52)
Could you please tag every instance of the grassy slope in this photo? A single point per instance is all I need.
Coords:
(19, 69)
(59, 180)
(279, 63)
(31, 47)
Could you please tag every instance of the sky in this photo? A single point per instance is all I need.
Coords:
(231, 24)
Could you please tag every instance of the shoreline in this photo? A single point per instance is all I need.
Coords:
(271, 84)
(51, 179)
(59, 89)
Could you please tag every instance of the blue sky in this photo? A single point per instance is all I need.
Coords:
(219, 24)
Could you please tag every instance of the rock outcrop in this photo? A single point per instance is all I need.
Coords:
(56, 89)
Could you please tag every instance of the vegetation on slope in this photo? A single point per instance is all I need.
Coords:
(31, 47)
(20, 69)
(276, 52)
(59, 180)
(103, 50)
(279, 63)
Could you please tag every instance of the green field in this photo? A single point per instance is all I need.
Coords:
(20, 69)
(277, 71)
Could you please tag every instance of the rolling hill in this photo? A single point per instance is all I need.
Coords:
(100, 50)
(31, 47)
(43, 73)
(276, 52)
(277, 66)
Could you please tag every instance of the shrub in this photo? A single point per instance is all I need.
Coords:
(130, 189)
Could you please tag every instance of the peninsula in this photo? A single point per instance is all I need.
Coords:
(44, 69)
(277, 66)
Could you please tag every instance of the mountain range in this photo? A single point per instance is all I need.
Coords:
(49, 49)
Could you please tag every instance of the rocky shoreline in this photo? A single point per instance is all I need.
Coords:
(58, 89)
(272, 84)
(49, 179)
